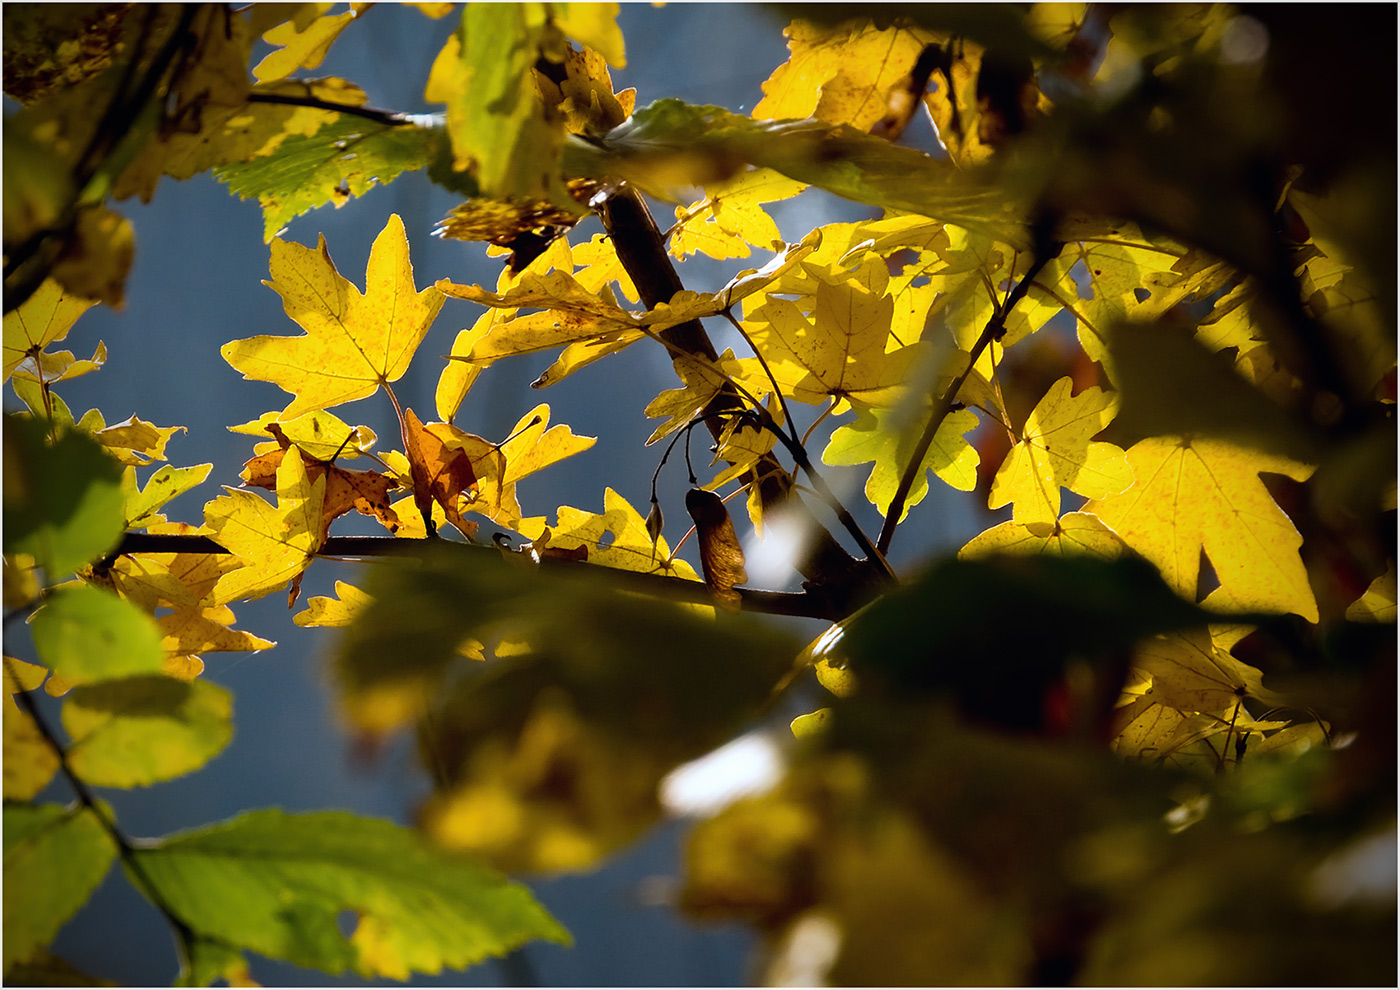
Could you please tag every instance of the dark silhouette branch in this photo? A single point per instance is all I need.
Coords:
(805, 604)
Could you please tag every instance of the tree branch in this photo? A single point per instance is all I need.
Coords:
(831, 570)
(812, 604)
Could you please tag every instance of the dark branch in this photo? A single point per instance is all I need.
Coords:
(807, 604)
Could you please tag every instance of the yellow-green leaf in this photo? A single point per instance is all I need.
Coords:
(141, 730)
(86, 634)
(887, 436)
(277, 884)
(54, 859)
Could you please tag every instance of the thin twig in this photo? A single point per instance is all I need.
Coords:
(995, 327)
(385, 117)
(126, 848)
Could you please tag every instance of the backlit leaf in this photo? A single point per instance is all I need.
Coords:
(321, 611)
(63, 501)
(1204, 494)
(86, 634)
(499, 130)
(1056, 450)
(300, 46)
(354, 342)
(54, 859)
(163, 485)
(347, 157)
(45, 317)
(30, 760)
(275, 543)
(141, 730)
(840, 74)
(1378, 603)
(276, 884)
(1072, 533)
(887, 435)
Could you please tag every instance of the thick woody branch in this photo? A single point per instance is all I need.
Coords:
(842, 578)
(809, 605)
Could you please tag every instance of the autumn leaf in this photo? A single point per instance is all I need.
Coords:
(837, 352)
(1378, 603)
(1072, 533)
(30, 760)
(887, 435)
(275, 543)
(721, 557)
(442, 471)
(354, 342)
(165, 484)
(366, 492)
(731, 217)
(321, 435)
(1056, 450)
(301, 45)
(616, 537)
(46, 317)
(135, 441)
(498, 127)
(340, 611)
(841, 74)
(1202, 494)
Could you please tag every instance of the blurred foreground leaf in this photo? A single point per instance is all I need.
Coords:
(276, 884)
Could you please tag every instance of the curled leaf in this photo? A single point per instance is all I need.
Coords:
(721, 557)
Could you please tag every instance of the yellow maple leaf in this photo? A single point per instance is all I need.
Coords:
(1205, 494)
(1056, 450)
(839, 352)
(274, 543)
(616, 537)
(1378, 603)
(531, 446)
(203, 630)
(322, 611)
(1073, 533)
(841, 74)
(300, 45)
(354, 342)
(45, 317)
(731, 217)
(136, 442)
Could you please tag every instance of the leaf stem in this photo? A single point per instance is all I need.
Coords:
(995, 327)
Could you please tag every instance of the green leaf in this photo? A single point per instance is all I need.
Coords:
(345, 158)
(693, 145)
(142, 730)
(86, 634)
(54, 859)
(63, 502)
(276, 883)
(495, 120)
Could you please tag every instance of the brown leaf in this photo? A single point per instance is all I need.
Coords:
(367, 492)
(721, 557)
(441, 472)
